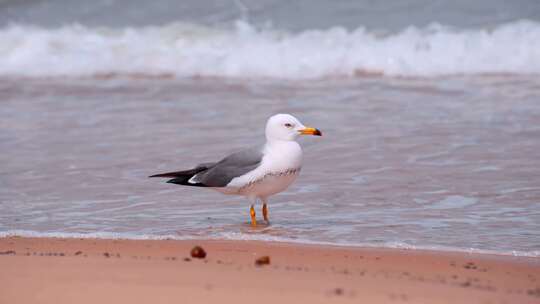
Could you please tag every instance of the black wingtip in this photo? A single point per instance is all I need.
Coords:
(168, 174)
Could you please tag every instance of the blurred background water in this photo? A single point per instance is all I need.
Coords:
(301, 15)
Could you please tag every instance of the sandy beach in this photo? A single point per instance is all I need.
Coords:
(54, 270)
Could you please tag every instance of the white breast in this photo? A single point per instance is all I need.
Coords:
(280, 166)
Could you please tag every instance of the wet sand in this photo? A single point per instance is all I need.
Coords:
(51, 270)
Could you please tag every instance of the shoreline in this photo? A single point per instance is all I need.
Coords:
(62, 270)
(132, 237)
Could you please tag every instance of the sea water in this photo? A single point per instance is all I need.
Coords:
(430, 115)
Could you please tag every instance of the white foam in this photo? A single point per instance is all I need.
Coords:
(187, 50)
(262, 237)
(92, 235)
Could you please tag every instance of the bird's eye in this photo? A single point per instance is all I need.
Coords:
(288, 125)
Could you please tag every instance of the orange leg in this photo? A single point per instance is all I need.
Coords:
(265, 212)
(253, 218)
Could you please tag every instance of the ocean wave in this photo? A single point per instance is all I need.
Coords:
(188, 50)
(238, 236)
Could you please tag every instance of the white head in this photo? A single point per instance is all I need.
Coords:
(287, 127)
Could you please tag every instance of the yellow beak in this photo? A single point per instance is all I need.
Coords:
(310, 131)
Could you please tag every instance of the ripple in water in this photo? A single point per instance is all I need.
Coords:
(445, 163)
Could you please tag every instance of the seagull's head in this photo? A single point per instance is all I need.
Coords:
(287, 127)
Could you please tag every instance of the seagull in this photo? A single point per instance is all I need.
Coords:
(255, 173)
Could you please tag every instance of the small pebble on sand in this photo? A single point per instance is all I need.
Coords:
(198, 252)
(264, 260)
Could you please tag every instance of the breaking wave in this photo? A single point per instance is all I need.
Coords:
(189, 50)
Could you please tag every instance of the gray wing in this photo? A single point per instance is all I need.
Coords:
(232, 166)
